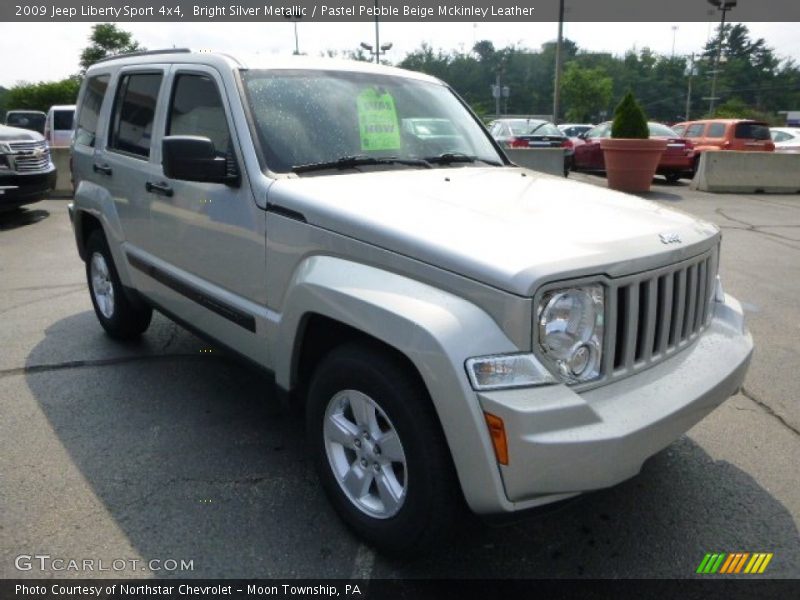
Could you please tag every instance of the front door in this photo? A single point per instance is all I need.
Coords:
(211, 236)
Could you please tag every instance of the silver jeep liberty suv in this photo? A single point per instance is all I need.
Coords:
(460, 331)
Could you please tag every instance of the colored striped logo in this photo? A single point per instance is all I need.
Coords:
(735, 562)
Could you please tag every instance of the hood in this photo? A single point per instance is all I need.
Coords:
(507, 227)
(15, 134)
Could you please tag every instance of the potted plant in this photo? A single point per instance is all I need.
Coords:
(631, 157)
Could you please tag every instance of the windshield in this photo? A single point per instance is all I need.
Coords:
(34, 121)
(659, 130)
(308, 117)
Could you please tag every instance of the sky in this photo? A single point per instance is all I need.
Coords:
(57, 51)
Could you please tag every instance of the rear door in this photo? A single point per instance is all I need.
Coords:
(126, 162)
(88, 136)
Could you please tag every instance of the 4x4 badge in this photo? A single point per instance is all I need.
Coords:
(670, 238)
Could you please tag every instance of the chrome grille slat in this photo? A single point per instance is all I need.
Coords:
(666, 314)
(652, 315)
(631, 320)
(678, 307)
(691, 302)
(701, 295)
(650, 320)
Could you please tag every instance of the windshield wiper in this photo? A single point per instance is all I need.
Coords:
(458, 157)
(348, 162)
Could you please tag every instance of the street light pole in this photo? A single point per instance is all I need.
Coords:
(377, 35)
(724, 6)
(557, 78)
(689, 89)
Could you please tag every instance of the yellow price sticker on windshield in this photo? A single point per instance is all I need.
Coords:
(377, 121)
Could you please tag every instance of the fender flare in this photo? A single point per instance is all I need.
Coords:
(436, 330)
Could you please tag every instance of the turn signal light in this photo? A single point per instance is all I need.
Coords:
(497, 431)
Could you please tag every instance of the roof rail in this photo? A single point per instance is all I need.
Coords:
(143, 53)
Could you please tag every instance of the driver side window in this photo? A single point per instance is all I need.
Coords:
(196, 109)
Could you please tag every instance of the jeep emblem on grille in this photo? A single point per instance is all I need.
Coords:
(670, 238)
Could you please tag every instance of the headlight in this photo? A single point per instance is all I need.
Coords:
(571, 331)
(506, 371)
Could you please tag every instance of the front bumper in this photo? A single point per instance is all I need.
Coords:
(17, 189)
(562, 442)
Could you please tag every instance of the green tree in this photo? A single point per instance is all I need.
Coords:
(3, 107)
(107, 39)
(585, 92)
(43, 95)
(630, 121)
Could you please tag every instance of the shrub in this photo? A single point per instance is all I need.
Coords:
(629, 120)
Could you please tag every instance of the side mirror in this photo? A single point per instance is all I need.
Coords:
(194, 158)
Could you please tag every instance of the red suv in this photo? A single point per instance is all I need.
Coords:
(727, 134)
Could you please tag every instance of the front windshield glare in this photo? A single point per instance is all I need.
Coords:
(305, 117)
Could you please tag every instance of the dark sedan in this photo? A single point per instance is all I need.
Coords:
(531, 133)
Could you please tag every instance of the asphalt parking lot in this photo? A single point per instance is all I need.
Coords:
(165, 449)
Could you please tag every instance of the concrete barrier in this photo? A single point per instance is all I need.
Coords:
(748, 172)
(546, 160)
(64, 181)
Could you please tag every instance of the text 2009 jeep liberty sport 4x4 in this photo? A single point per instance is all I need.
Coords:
(460, 329)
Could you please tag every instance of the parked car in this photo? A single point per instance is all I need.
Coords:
(676, 162)
(532, 133)
(786, 139)
(26, 172)
(26, 119)
(439, 132)
(58, 126)
(458, 330)
(574, 130)
(726, 134)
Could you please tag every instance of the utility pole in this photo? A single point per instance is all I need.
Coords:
(689, 90)
(724, 6)
(674, 31)
(377, 36)
(557, 78)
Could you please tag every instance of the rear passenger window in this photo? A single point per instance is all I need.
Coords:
(196, 109)
(716, 130)
(695, 131)
(134, 111)
(89, 110)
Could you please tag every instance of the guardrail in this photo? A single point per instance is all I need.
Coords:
(546, 160)
(747, 172)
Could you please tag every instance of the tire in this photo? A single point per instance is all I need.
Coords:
(672, 177)
(120, 318)
(379, 450)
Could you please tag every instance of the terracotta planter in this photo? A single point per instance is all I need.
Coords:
(631, 164)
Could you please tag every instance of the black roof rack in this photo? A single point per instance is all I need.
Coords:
(143, 53)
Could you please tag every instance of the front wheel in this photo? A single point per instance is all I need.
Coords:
(672, 177)
(379, 450)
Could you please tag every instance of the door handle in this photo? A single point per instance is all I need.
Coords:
(162, 189)
(105, 169)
